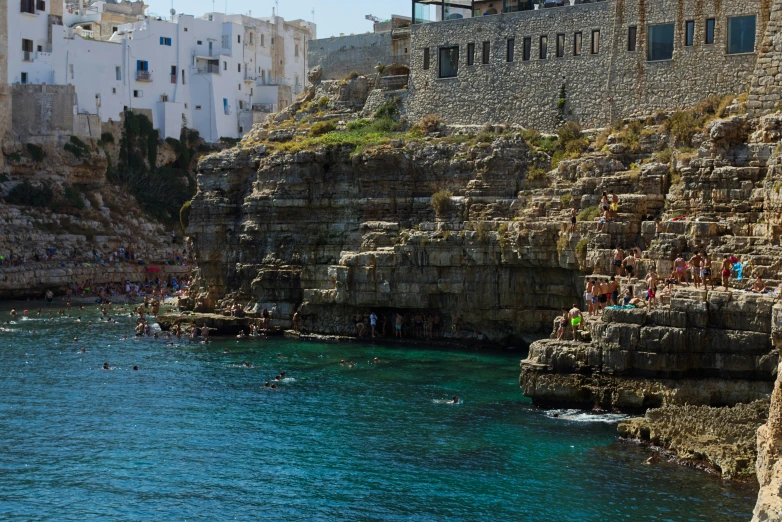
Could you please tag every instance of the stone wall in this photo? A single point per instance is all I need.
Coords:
(43, 110)
(611, 84)
(5, 90)
(359, 53)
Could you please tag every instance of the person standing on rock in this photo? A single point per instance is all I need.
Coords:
(590, 286)
(629, 265)
(398, 321)
(696, 262)
(619, 255)
(706, 272)
(563, 324)
(680, 268)
(575, 319)
(727, 266)
(572, 220)
(373, 322)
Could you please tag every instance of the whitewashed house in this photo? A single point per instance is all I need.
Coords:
(216, 74)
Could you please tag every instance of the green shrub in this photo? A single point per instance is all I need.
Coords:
(14, 157)
(77, 147)
(388, 109)
(107, 137)
(581, 249)
(323, 102)
(184, 215)
(531, 136)
(73, 197)
(358, 124)
(536, 173)
(683, 125)
(430, 123)
(27, 194)
(664, 156)
(352, 76)
(322, 127)
(589, 213)
(36, 152)
(565, 199)
(481, 230)
(441, 202)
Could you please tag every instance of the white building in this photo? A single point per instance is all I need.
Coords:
(207, 73)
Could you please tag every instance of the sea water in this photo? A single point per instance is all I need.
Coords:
(195, 435)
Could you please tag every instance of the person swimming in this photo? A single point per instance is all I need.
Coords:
(267, 384)
(135, 368)
(106, 366)
(247, 364)
(276, 377)
(274, 386)
(455, 400)
(282, 374)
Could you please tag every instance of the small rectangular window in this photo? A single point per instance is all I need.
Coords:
(24, 78)
(470, 54)
(118, 73)
(225, 66)
(449, 62)
(28, 6)
(165, 41)
(526, 51)
(198, 107)
(239, 67)
(138, 94)
(511, 49)
(660, 42)
(689, 33)
(199, 42)
(543, 47)
(238, 38)
(632, 34)
(426, 59)
(741, 34)
(113, 90)
(486, 49)
(560, 45)
(577, 42)
(183, 76)
(709, 31)
(596, 41)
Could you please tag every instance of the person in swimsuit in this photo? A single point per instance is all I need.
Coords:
(588, 296)
(680, 267)
(619, 255)
(759, 287)
(696, 262)
(398, 320)
(572, 220)
(706, 271)
(575, 319)
(727, 266)
(49, 296)
(629, 265)
(628, 296)
(563, 324)
(614, 288)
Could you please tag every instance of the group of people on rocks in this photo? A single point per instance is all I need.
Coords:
(76, 258)
(412, 324)
(168, 287)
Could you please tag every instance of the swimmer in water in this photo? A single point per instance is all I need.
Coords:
(351, 365)
(342, 362)
(135, 368)
(13, 313)
(267, 384)
(455, 400)
(282, 374)
(106, 366)
(276, 377)
(274, 386)
(83, 350)
(247, 364)
(75, 339)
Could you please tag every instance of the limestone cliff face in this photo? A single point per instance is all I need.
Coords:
(769, 446)
(339, 234)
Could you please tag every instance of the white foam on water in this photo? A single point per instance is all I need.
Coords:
(288, 379)
(585, 416)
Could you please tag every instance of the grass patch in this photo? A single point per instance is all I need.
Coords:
(481, 230)
(430, 123)
(589, 213)
(581, 249)
(184, 215)
(322, 127)
(441, 202)
(675, 177)
(73, 197)
(370, 134)
(566, 199)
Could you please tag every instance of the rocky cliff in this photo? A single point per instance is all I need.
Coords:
(80, 197)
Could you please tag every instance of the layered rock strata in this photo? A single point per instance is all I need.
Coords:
(720, 439)
(712, 348)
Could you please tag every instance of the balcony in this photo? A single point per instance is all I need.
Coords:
(143, 76)
(208, 69)
(250, 76)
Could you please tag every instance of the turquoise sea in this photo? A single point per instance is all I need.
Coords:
(193, 435)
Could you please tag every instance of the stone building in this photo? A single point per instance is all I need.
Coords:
(591, 62)
(388, 45)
